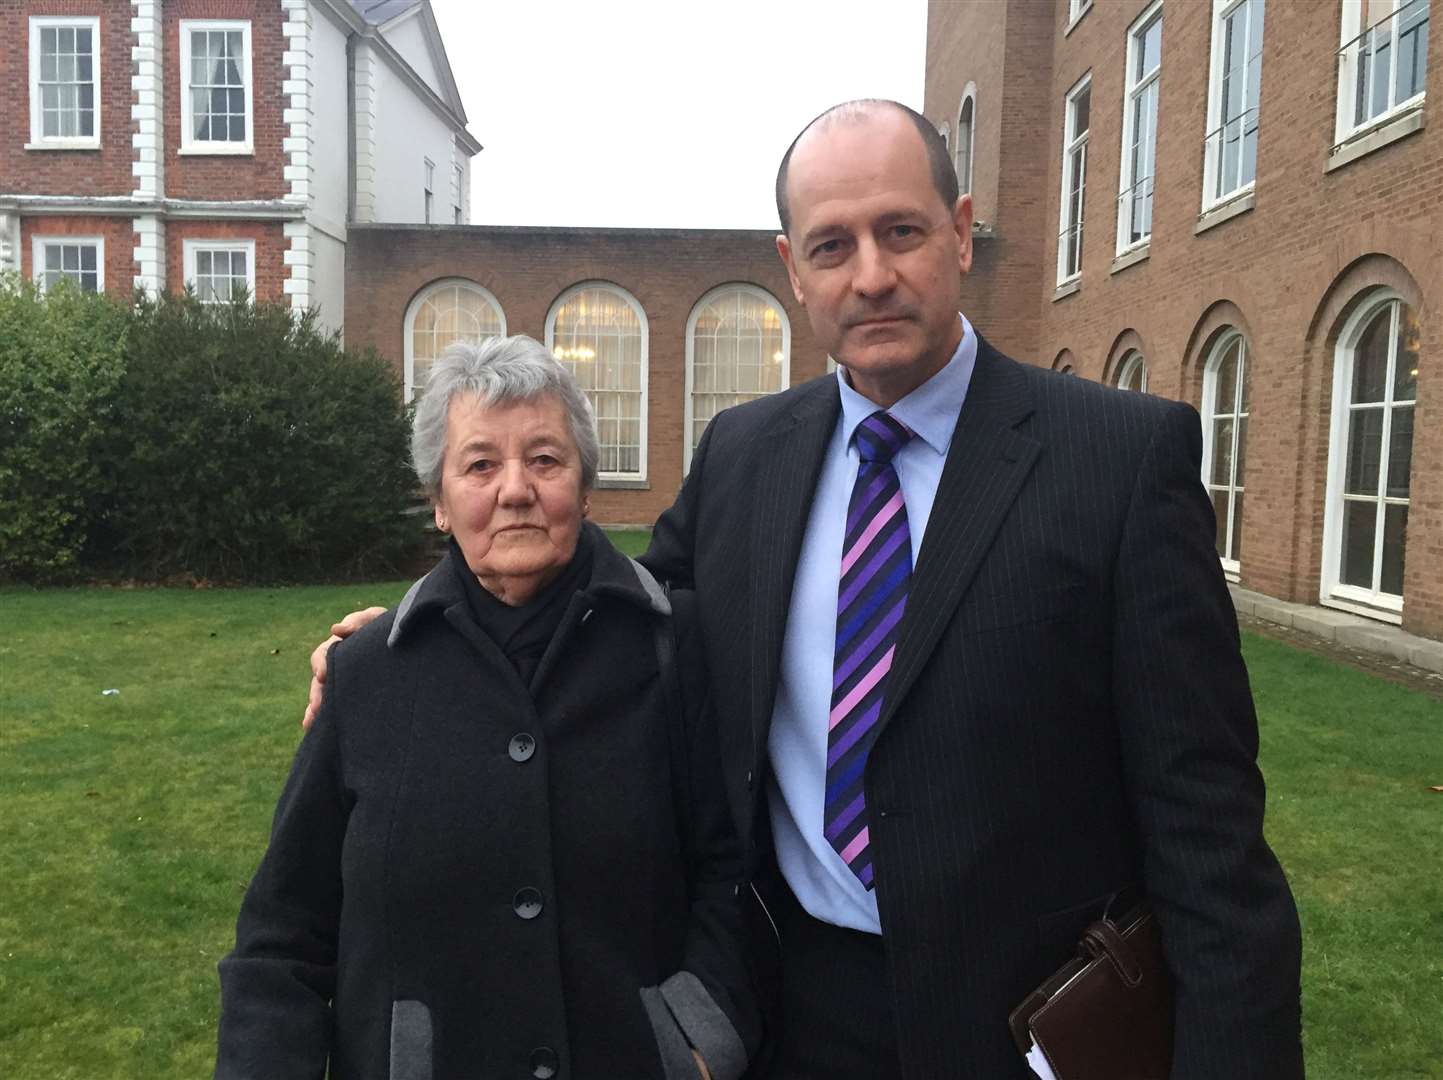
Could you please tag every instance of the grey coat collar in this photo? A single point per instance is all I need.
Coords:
(613, 576)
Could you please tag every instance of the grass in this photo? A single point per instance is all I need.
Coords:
(132, 822)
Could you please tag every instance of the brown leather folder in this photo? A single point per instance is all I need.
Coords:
(1107, 1013)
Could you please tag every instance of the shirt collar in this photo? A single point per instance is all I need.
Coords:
(930, 410)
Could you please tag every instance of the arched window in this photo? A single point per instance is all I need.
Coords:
(599, 332)
(443, 312)
(1132, 373)
(965, 141)
(1370, 460)
(1227, 380)
(738, 347)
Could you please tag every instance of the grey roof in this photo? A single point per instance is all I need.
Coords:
(377, 12)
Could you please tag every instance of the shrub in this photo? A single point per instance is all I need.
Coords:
(253, 447)
(61, 358)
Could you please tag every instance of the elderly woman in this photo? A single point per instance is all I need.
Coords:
(503, 850)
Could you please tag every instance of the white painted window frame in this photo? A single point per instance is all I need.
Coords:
(1131, 361)
(1071, 143)
(1231, 567)
(428, 189)
(188, 143)
(645, 328)
(689, 409)
(1131, 92)
(1213, 138)
(190, 247)
(1333, 593)
(38, 140)
(1350, 27)
(37, 256)
(964, 184)
(408, 325)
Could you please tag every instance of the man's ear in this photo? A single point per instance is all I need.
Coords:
(962, 222)
(784, 249)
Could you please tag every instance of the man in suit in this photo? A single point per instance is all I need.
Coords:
(976, 666)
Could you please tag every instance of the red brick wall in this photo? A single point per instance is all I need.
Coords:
(271, 271)
(105, 171)
(527, 269)
(228, 176)
(1285, 271)
(118, 233)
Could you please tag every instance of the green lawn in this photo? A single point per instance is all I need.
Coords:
(131, 823)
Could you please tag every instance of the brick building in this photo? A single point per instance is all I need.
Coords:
(663, 327)
(221, 143)
(1237, 204)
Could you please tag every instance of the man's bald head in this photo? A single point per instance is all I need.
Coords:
(944, 177)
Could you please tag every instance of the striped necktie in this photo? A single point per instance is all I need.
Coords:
(871, 597)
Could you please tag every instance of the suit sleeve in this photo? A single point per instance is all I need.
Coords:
(278, 983)
(1189, 739)
(671, 553)
(712, 1000)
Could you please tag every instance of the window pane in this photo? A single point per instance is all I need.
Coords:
(1365, 447)
(52, 256)
(1222, 451)
(1227, 380)
(1081, 107)
(1150, 55)
(1359, 520)
(1405, 373)
(1237, 548)
(1220, 512)
(1395, 530)
(1240, 466)
(1370, 360)
(87, 258)
(1400, 452)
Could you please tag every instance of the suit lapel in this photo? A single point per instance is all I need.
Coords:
(788, 462)
(986, 465)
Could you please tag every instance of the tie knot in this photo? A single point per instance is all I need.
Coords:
(880, 436)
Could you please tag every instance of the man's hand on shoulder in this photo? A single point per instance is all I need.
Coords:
(343, 629)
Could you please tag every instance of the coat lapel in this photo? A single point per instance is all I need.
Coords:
(986, 465)
(788, 462)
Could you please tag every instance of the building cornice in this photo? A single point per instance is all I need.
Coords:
(127, 206)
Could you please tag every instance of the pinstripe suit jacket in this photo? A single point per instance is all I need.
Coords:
(1068, 711)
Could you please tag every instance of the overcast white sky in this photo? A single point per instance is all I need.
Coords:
(661, 113)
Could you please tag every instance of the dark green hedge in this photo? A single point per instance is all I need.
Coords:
(231, 443)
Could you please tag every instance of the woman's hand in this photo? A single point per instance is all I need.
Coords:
(343, 629)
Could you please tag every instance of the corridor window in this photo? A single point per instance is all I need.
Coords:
(1132, 374)
(1231, 148)
(599, 332)
(965, 143)
(1076, 112)
(219, 270)
(65, 82)
(1227, 383)
(1383, 61)
(1371, 454)
(738, 342)
(442, 313)
(81, 259)
(1139, 129)
(215, 101)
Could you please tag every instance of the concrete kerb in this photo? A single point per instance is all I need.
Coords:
(1342, 628)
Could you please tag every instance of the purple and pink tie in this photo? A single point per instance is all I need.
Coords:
(871, 597)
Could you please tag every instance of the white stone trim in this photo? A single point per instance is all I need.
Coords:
(298, 60)
(9, 240)
(150, 253)
(147, 108)
(297, 258)
(365, 76)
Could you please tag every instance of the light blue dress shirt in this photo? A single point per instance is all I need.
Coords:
(798, 740)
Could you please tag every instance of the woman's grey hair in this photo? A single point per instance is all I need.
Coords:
(499, 371)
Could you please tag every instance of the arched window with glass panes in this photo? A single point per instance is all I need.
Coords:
(1227, 383)
(442, 313)
(738, 347)
(1370, 456)
(962, 151)
(599, 332)
(1132, 372)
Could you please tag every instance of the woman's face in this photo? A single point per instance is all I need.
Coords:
(511, 492)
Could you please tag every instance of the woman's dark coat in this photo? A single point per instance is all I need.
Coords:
(488, 885)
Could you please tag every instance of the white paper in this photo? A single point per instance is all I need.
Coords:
(1038, 1061)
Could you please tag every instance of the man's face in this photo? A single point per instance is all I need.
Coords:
(874, 254)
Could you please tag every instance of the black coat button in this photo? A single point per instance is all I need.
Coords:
(527, 903)
(522, 747)
(544, 1063)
